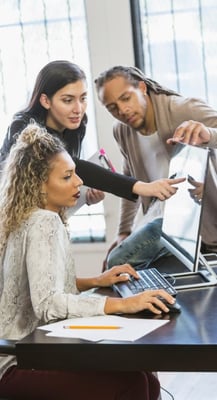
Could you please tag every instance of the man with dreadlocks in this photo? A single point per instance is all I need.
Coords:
(149, 118)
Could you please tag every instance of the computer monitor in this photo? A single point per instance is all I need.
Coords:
(182, 216)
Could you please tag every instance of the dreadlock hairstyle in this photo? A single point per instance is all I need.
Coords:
(25, 169)
(134, 76)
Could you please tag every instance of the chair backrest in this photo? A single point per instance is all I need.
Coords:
(7, 346)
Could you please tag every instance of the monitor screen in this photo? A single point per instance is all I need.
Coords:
(182, 212)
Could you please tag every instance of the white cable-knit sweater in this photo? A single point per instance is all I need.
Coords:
(37, 280)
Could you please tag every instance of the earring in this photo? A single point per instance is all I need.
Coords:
(43, 199)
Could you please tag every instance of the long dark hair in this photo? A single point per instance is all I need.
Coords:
(50, 79)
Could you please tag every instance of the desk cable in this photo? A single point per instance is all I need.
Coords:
(166, 391)
(169, 277)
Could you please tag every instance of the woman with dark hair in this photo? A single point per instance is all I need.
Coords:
(59, 102)
(38, 283)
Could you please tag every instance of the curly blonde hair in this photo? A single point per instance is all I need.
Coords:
(26, 168)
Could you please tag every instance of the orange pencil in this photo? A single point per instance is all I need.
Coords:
(91, 327)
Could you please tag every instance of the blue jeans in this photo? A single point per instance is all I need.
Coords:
(141, 247)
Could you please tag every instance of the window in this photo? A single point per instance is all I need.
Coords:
(32, 34)
(176, 44)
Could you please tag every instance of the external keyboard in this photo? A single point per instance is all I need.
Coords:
(150, 279)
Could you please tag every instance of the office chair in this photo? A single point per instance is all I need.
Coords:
(7, 347)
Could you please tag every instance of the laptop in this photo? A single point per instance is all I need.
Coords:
(182, 216)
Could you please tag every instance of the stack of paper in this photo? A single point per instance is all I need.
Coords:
(108, 327)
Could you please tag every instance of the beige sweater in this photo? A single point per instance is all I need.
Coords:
(170, 112)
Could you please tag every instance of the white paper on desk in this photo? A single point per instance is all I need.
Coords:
(131, 329)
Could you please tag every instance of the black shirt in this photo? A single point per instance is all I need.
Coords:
(92, 175)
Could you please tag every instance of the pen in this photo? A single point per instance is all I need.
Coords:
(103, 156)
(91, 327)
(173, 176)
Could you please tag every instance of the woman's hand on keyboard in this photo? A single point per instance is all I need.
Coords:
(119, 273)
(152, 300)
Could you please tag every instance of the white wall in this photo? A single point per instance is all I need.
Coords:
(110, 43)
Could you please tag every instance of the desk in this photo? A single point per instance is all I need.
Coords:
(187, 343)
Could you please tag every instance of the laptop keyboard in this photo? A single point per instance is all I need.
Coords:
(150, 279)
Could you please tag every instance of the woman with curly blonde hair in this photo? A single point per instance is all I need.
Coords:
(37, 274)
(19, 185)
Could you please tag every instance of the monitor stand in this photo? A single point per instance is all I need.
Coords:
(203, 276)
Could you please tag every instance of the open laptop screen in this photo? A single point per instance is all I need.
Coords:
(182, 213)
